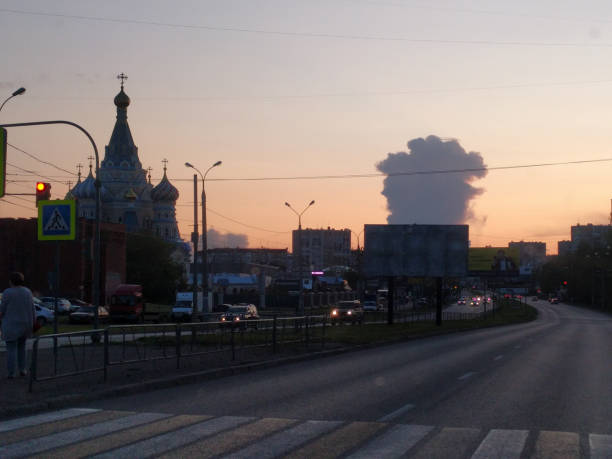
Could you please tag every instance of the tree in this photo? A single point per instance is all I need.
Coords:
(150, 263)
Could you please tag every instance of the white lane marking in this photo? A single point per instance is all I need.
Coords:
(557, 444)
(40, 444)
(175, 439)
(397, 413)
(467, 375)
(393, 443)
(601, 446)
(282, 442)
(502, 444)
(19, 423)
(499, 357)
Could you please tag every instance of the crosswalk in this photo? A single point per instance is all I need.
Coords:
(84, 432)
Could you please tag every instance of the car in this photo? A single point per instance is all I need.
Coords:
(222, 307)
(85, 315)
(422, 302)
(75, 304)
(461, 301)
(43, 315)
(63, 305)
(241, 313)
(370, 305)
(553, 300)
(347, 311)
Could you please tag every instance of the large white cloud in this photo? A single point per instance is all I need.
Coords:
(431, 198)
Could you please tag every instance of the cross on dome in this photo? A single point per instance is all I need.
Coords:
(165, 162)
(122, 76)
(90, 158)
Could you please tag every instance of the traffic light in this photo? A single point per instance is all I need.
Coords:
(43, 192)
(565, 283)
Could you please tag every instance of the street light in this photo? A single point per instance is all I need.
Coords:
(300, 267)
(204, 238)
(16, 93)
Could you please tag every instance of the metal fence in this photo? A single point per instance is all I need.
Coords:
(70, 354)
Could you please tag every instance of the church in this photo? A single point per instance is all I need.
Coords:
(127, 195)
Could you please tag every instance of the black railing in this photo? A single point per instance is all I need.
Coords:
(83, 352)
(98, 350)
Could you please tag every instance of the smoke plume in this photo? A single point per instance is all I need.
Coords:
(431, 198)
(216, 239)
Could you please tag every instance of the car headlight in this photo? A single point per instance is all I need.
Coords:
(334, 312)
(223, 319)
(349, 313)
(236, 319)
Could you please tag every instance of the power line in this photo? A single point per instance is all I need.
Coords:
(3, 200)
(400, 174)
(483, 12)
(308, 34)
(40, 160)
(353, 94)
(34, 173)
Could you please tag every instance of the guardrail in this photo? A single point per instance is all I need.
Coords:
(98, 350)
(116, 345)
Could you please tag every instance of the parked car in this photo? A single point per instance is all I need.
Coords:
(43, 314)
(63, 305)
(85, 315)
(554, 300)
(241, 313)
(347, 311)
(370, 305)
(75, 304)
(461, 300)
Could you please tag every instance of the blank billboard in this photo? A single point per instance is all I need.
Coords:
(416, 250)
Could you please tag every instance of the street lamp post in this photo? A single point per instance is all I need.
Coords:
(16, 93)
(300, 264)
(204, 229)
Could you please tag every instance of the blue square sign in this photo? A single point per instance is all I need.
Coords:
(56, 220)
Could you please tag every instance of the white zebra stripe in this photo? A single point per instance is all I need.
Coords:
(393, 443)
(40, 444)
(38, 419)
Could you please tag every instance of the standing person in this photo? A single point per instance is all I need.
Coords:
(17, 315)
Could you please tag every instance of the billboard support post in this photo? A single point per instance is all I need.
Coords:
(390, 299)
(439, 301)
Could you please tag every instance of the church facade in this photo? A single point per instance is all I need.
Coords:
(127, 195)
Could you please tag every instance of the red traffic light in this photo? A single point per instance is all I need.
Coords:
(564, 282)
(43, 191)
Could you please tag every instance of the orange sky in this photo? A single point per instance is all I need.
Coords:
(511, 82)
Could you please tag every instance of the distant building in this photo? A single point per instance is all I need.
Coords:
(321, 248)
(531, 255)
(273, 262)
(564, 247)
(238, 260)
(592, 236)
(20, 250)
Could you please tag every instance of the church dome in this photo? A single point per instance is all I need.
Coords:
(122, 100)
(87, 190)
(164, 191)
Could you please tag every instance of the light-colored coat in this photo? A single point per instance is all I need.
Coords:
(17, 312)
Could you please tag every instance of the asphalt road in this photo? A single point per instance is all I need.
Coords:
(550, 374)
(544, 387)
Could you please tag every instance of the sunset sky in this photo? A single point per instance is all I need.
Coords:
(280, 89)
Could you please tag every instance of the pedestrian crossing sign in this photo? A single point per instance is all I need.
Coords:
(56, 220)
